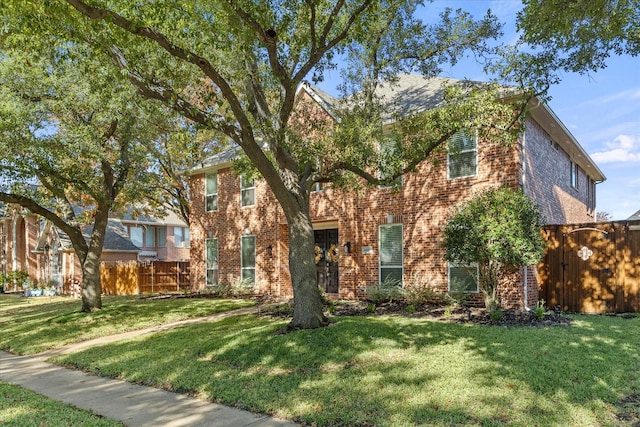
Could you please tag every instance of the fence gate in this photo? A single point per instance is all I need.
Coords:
(592, 268)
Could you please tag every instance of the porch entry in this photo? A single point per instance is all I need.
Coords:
(326, 258)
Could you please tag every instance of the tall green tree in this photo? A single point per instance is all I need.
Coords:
(73, 143)
(579, 35)
(499, 231)
(234, 66)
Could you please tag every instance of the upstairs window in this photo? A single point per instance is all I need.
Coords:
(574, 175)
(162, 237)
(211, 192)
(150, 237)
(181, 237)
(247, 192)
(462, 156)
(136, 234)
(389, 152)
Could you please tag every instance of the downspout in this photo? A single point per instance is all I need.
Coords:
(14, 245)
(525, 281)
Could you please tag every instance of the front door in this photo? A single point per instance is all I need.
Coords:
(327, 251)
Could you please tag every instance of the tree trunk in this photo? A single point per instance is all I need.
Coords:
(308, 312)
(91, 284)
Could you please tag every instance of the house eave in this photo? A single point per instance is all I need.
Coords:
(559, 133)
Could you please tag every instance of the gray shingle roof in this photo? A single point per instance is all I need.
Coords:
(635, 216)
(116, 237)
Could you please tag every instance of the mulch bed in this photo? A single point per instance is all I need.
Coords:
(454, 314)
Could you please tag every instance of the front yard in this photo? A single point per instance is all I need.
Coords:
(379, 370)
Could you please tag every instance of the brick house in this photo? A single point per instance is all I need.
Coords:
(32, 244)
(363, 238)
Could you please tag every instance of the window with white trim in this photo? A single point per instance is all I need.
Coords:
(574, 174)
(390, 254)
(462, 155)
(181, 237)
(247, 192)
(248, 259)
(388, 150)
(136, 234)
(211, 192)
(211, 256)
(162, 237)
(463, 278)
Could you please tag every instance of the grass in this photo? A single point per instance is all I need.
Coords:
(23, 408)
(383, 371)
(393, 371)
(32, 325)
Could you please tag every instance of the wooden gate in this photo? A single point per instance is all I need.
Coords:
(592, 268)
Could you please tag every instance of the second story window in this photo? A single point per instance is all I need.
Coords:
(162, 237)
(181, 237)
(136, 234)
(389, 152)
(462, 156)
(574, 175)
(150, 237)
(211, 192)
(247, 192)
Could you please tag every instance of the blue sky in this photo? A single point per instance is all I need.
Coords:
(602, 110)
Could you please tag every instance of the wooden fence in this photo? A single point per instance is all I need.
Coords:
(592, 268)
(133, 277)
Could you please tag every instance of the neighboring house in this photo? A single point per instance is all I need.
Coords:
(635, 216)
(240, 232)
(33, 244)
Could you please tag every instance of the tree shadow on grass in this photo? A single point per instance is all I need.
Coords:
(386, 371)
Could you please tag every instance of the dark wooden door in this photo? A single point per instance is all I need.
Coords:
(326, 262)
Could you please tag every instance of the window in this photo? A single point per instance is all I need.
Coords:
(212, 261)
(390, 253)
(248, 259)
(181, 237)
(574, 175)
(162, 237)
(388, 152)
(462, 157)
(247, 192)
(150, 237)
(211, 192)
(463, 278)
(136, 234)
(318, 186)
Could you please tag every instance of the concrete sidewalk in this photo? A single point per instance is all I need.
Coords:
(131, 404)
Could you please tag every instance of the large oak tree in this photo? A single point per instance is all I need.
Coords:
(234, 66)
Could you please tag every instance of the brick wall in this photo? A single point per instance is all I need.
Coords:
(548, 179)
(422, 205)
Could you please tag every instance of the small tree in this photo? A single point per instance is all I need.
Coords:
(499, 231)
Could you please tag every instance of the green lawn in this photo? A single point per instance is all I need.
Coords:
(361, 371)
(31, 325)
(392, 371)
(22, 408)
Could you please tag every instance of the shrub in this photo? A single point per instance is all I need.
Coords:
(540, 310)
(387, 291)
(420, 291)
(496, 315)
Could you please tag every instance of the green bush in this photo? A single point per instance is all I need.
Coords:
(540, 310)
(419, 291)
(497, 315)
(387, 291)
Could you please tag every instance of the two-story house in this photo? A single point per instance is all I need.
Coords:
(240, 233)
(32, 244)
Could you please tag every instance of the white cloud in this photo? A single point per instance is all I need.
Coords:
(624, 148)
